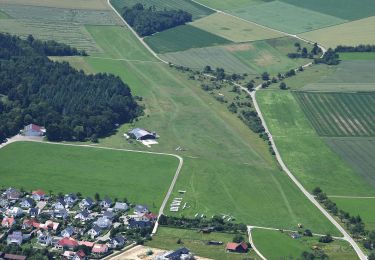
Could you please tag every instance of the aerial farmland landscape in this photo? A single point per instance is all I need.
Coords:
(187, 129)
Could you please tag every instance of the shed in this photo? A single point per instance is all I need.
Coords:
(34, 130)
(142, 134)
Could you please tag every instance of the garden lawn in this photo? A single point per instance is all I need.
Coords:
(304, 152)
(234, 29)
(142, 178)
(285, 17)
(197, 10)
(182, 38)
(166, 238)
(275, 245)
(352, 33)
(363, 207)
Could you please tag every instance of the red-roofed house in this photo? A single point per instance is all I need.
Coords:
(99, 249)
(150, 216)
(69, 243)
(7, 222)
(38, 195)
(34, 130)
(86, 243)
(30, 223)
(237, 247)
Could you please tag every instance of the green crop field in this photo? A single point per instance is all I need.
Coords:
(285, 17)
(234, 29)
(348, 9)
(304, 152)
(339, 87)
(197, 10)
(182, 38)
(359, 153)
(357, 72)
(230, 4)
(363, 207)
(181, 113)
(76, 4)
(339, 114)
(114, 173)
(166, 238)
(275, 245)
(357, 56)
(4, 15)
(77, 62)
(251, 58)
(352, 33)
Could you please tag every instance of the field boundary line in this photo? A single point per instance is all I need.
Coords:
(19, 138)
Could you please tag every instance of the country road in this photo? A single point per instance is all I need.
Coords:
(252, 94)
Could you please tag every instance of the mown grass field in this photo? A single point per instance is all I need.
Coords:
(339, 114)
(234, 29)
(359, 153)
(357, 56)
(348, 9)
(285, 17)
(88, 170)
(166, 238)
(363, 207)
(304, 152)
(76, 4)
(357, 72)
(351, 33)
(182, 38)
(4, 15)
(275, 245)
(76, 62)
(339, 87)
(229, 4)
(227, 169)
(197, 10)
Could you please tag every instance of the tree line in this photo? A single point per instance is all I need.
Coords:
(69, 103)
(359, 48)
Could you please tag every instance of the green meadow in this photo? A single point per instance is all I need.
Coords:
(59, 168)
(357, 56)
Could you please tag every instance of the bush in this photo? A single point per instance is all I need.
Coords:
(326, 239)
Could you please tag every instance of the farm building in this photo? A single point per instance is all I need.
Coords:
(34, 130)
(237, 247)
(142, 134)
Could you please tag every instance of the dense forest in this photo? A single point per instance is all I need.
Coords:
(70, 104)
(359, 48)
(146, 21)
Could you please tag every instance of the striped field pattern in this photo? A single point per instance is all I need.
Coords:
(340, 114)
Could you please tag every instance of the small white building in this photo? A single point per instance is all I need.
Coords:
(34, 130)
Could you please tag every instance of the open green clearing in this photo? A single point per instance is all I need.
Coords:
(166, 238)
(252, 58)
(229, 4)
(363, 207)
(197, 10)
(277, 245)
(347, 9)
(352, 33)
(359, 153)
(234, 29)
(339, 114)
(114, 173)
(310, 160)
(182, 38)
(357, 56)
(228, 169)
(285, 17)
(76, 4)
(77, 62)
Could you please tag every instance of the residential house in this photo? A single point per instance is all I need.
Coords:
(15, 212)
(149, 217)
(139, 224)
(84, 215)
(70, 199)
(79, 255)
(44, 238)
(34, 212)
(106, 203)
(116, 242)
(86, 243)
(67, 243)
(38, 195)
(49, 225)
(29, 224)
(7, 222)
(103, 222)
(179, 254)
(141, 210)
(99, 249)
(27, 203)
(119, 206)
(15, 238)
(237, 247)
(95, 231)
(12, 194)
(109, 215)
(60, 204)
(4, 203)
(68, 232)
(60, 213)
(87, 203)
(34, 130)
(13, 257)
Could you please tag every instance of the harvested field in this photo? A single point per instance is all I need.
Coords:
(234, 29)
(76, 4)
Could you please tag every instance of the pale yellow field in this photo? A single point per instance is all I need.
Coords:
(352, 33)
(72, 4)
(234, 29)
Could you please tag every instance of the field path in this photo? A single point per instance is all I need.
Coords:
(20, 138)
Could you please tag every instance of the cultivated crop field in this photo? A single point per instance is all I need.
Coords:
(275, 245)
(197, 242)
(229, 4)
(340, 114)
(88, 170)
(285, 17)
(357, 56)
(3, 15)
(234, 29)
(339, 87)
(76, 4)
(359, 153)
(352, 33)
(197, 10)
(182, 38)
